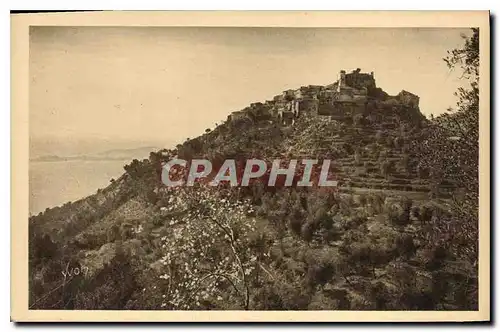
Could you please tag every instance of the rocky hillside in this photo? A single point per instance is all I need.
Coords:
(372, 244)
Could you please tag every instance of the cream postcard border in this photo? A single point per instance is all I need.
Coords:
(20, 24)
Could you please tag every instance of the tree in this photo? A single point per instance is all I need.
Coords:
(207, 255)
(450, 146)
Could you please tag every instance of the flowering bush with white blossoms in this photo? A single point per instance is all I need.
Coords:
(206, 258)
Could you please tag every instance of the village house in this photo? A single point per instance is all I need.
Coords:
(299, 93)
(288, 94)
(286, 117)
(315, 88)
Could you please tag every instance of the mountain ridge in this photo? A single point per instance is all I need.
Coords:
(111, 154)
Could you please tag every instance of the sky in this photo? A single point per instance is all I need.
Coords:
(165, 84)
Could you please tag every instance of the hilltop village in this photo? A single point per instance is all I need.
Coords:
(353, 92)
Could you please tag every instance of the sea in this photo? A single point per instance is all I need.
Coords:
(53, 183)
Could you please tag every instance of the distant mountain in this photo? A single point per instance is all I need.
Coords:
(49, 158)
(113, 154)
(126, 154)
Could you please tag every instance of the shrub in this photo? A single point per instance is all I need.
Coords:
(422, 171)
(126, 231)
(113, 233)
(363, 199)
(356, 220)
(333, 234)
(426, 213)
(347, 204)
(404, 246)
(397, 215)
(135, 169)
(158, 220)
(415, 212)
(379, 295)
(307, 231)
(377, 201)
(322, 218)
(348, 148)
(358, 119)
(151, 197)
(364, 257)
(321, 269)
(437, 256)
(268, 298)
(295, 221)
(389, 141)
(406, 203)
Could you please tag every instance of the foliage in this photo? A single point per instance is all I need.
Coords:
(450, 148)
(207, 255)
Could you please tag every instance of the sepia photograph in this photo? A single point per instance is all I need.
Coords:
(283, 169)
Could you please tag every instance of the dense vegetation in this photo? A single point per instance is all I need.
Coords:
(399, 234)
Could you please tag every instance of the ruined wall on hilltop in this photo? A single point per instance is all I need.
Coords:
(359, 80)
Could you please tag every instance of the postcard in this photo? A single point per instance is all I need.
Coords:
(251, 166)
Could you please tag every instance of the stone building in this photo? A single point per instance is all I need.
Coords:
(299, 93)
(314, 89)
(286, 117)
(349, 94)
(358, 80)
(354, 86)
(288, 95)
